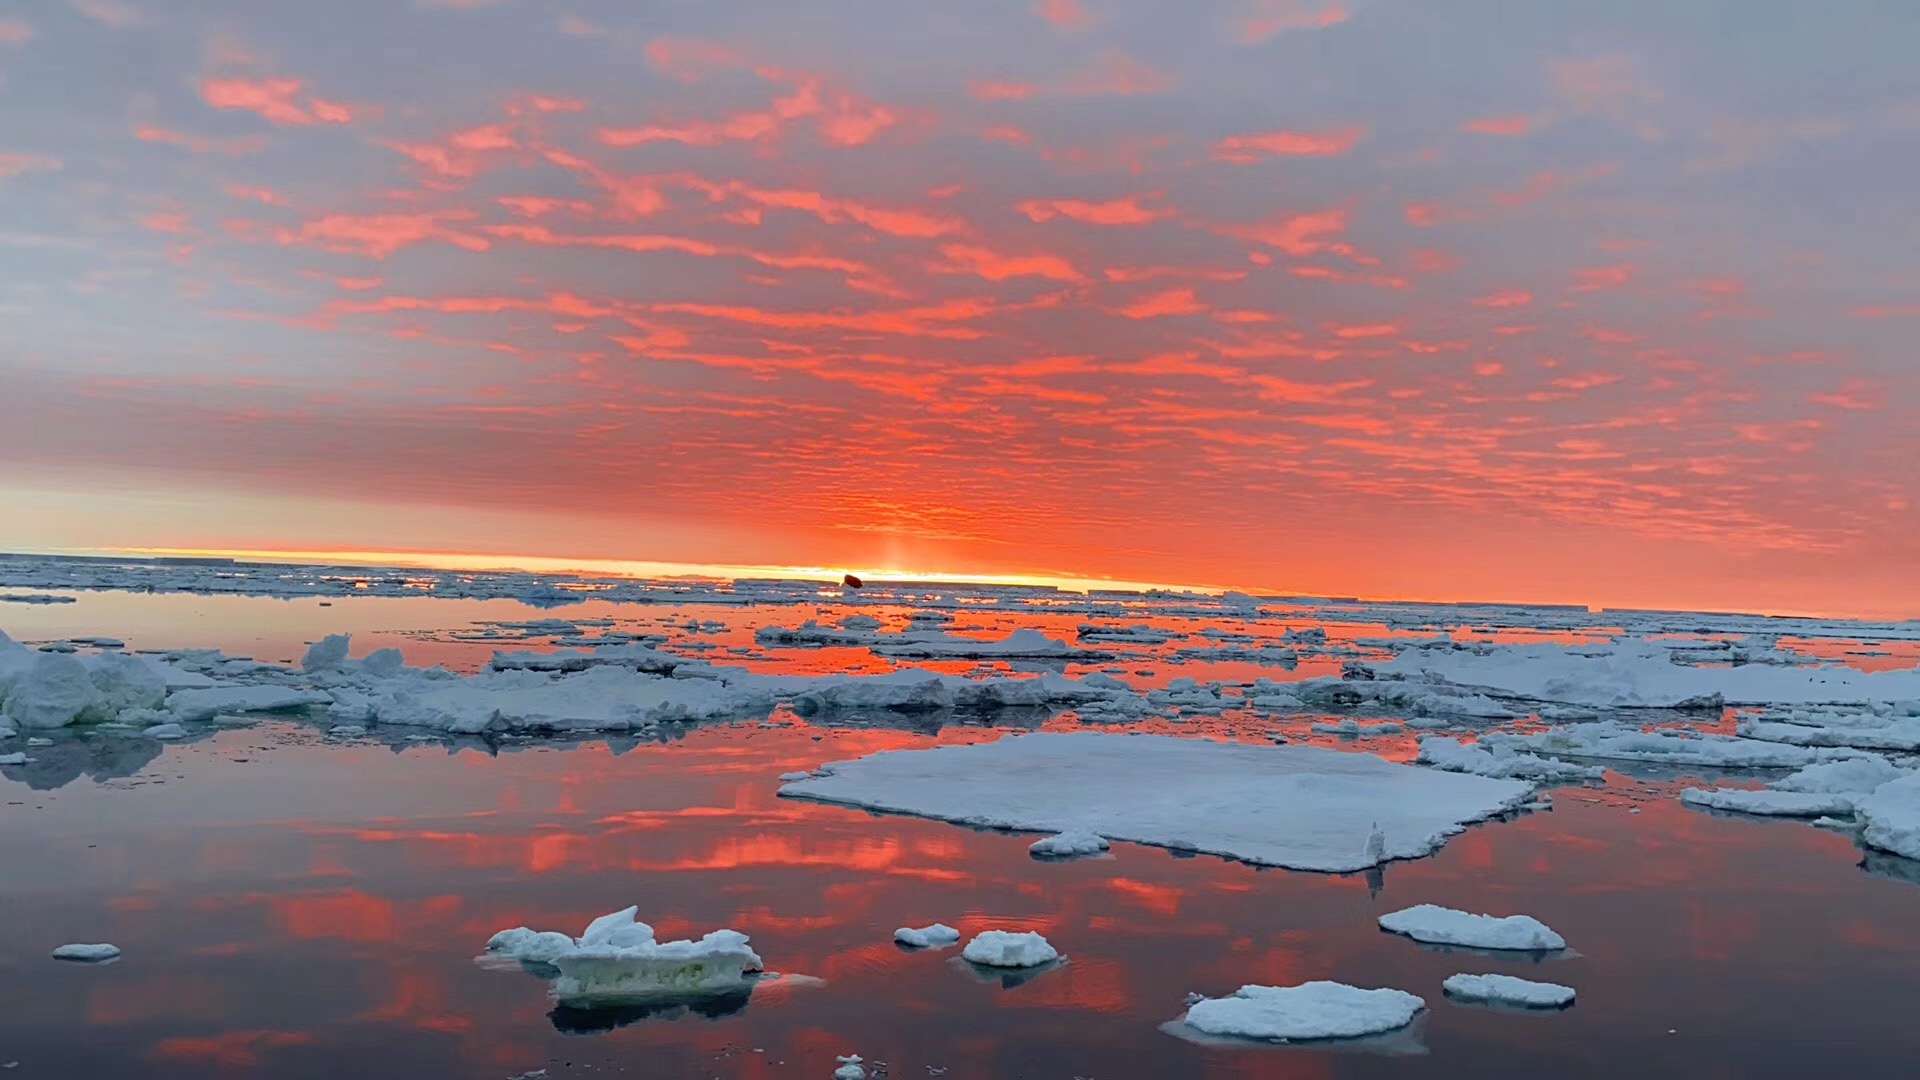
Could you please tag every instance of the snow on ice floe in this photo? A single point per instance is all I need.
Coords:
(937, 936)
(1069, 844)
(1503, 761)
(87, 954)
(1769, 803)
(1437, 925)
(1635, 673)
(1829, 789)
(849, 1067)
(1508, 990)
(617, 959)
(1009, 949)
(1310, 1011)
(1890, 817)
(1619, 742)
(1299, 807)
(1880, 726)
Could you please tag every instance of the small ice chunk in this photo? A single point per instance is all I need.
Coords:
(1007, 949)
(327, 654)
(1315, 1010)
(165, 731)
(937, 936)
(790, 777)
(1069, 843)
(533, 946)
(1507, 990)
(850, 1068)
(14, 759)
(720, 961)
(1446, 926)
(345, 730)
(88, 954)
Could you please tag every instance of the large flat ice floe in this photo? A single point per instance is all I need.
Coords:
(1314, 1010)
(1638, 673)
(1437, 925)
(1299, 807)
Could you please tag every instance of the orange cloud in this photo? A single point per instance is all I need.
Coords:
(691, 60)
(251, 144)
(15, 32)
(1247, 149)
(377, 236)
(994, 266)
(16, 164)
(279, 101)
(1127, 211)
(1594, 278)
(1510, 126)
(1171, 302)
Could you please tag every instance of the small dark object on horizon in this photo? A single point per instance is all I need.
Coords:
(850, 581)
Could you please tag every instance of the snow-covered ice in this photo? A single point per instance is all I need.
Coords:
(850, 1067)
(1009, 949)
(1619, 742)
(616, 958)
(90, 954)
(1314, 1010)
(1508, 990)
(1446, 926)
(1068, 844)
(1773, 803)
(1891, 817)
(937, 936)
(191, 705)
(1300, 807)
(1500, 760)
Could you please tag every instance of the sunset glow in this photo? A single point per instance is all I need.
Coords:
(1608, 304)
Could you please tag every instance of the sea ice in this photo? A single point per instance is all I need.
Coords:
(616, 958)
(165, 731)
(937, 936)
(1618, 742)
(14, 759)
(1507, 990)
(1314, 1010)
(1852, 776)
(1006, 949)
(91, 954)
(52, 692)
(1068, 844)
(1891, 816)
(1445, 926)
(1454, 756)
(1771, 803)
(850, 1068)
(190, 705)
(1305, 808)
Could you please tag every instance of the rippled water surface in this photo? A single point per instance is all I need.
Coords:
(296, 906)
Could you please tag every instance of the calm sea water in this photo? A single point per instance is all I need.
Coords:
(296, 907)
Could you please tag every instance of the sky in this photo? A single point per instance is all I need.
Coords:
(1593, 303)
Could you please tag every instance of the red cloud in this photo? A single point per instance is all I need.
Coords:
(1499, 125)
(15, 164)
(1246, 149)
(1299, 234)
(1064, 14)
(1113, 73)
(1508, 299)
(376, 235)
(1594, 278)
(15, 32)
(1127, 211)
(251, 144)
(1259, 20)
(691, 60)
(280, 101)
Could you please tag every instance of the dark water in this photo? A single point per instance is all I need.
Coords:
(296, 908)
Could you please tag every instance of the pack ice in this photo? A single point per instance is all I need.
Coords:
(1303, 808)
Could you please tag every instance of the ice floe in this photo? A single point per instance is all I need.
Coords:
(87, 954)
(937, 936)
(850, 1067)
(616, 959)
(1891, 817)
(1500, 760)
(1310, 1011)
(1771, 803)
(1508, 990)
(1437, 925)
(1619, 742)
(1304, 808)
(1009, 949)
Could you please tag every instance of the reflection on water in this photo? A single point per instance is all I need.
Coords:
(294, 906)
